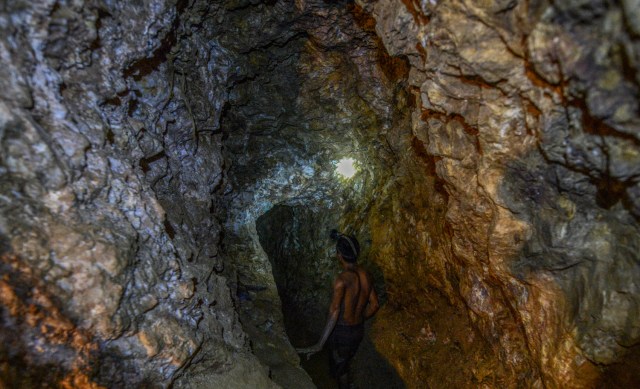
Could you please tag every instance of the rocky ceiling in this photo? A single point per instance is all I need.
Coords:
(167, 183)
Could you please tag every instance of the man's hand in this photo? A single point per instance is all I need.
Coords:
(334, 309)
(309, 351)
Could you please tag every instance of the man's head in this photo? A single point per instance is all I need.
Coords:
(347, 246)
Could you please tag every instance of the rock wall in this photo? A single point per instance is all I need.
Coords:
(111, 170)
(497, 193)
(519, 203)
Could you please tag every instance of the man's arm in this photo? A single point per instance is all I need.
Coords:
(334, 310)
(373, 305)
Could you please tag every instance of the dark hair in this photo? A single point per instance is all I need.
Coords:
(346, 245)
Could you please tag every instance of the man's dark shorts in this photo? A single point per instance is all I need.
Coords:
(343, 344)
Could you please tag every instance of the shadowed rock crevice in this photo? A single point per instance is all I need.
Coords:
(303, 265)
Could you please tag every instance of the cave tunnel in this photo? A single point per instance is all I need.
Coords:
(170, 170)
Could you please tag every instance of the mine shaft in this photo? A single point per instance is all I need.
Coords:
(171, 172)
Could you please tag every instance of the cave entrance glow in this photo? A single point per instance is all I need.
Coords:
(346, 167)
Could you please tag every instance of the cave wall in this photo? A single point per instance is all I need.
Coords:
(519, 204)
(111, 175)
(497, 193)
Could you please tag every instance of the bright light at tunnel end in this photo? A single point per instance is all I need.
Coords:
(346, 168)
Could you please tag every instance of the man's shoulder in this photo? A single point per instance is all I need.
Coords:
(347, 275)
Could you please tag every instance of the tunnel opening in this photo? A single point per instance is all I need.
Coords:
(296, 242)
(302, 257)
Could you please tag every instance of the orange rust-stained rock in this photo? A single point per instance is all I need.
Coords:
(78, 380)
(510, 250)
(36, 316)
(163, 200)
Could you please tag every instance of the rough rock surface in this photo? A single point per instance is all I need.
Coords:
(527, 117)
(166, 181)
(111, 170)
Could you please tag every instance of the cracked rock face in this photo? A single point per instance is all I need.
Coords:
(156, 154)
(529, 114)
(111, 166)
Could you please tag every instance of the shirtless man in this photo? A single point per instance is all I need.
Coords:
(354, 300)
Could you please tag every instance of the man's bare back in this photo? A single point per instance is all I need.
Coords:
(354, 296)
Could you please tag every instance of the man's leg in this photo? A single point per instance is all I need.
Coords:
(343, 381)
(345, 342)
(342, 357)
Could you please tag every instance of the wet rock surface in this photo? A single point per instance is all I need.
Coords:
(167, 182)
